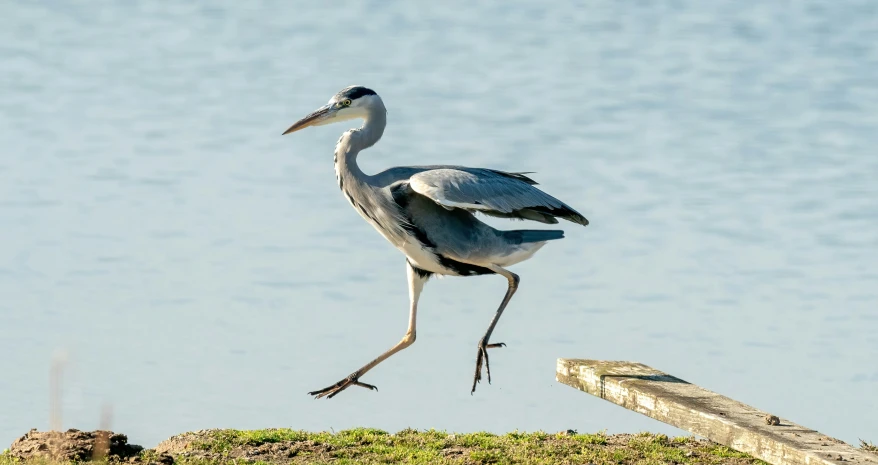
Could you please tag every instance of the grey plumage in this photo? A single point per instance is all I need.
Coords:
(428, 212)
(523, 236)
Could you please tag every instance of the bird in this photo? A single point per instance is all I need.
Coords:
(429, 214)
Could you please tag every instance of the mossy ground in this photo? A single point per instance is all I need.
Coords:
(272, 446)
(363, 445)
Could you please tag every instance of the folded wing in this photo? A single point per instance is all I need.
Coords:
(492, 192)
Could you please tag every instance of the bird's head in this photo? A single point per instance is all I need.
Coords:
(349, 103)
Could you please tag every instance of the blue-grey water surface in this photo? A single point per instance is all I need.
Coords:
(198, 270)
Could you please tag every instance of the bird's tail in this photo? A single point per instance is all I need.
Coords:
(523, 236)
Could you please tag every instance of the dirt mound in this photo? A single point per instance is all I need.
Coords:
(203, 445)
(182, 443)
(74, 445)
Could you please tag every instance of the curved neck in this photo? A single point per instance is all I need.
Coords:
(352, 142)
(373, 125)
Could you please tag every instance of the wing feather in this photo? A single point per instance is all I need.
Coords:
(492, 192)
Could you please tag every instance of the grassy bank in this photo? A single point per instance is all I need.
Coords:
(426, 447)
(286, 446)
(273, 446)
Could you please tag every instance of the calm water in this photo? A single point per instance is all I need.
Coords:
(198, 270)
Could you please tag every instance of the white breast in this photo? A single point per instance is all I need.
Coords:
(421, 257)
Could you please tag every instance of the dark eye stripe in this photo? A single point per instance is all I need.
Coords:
(356, 92)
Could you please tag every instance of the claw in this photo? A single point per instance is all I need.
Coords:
(367, 386)
(483, 354)
(331, 391)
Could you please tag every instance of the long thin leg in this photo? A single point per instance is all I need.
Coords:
(416, 279)
(483, 343)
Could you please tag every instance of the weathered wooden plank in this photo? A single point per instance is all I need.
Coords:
(678, 403)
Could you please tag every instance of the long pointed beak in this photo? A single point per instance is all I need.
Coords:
(313, 119)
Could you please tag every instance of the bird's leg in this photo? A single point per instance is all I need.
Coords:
(483, 343)
(416, 279)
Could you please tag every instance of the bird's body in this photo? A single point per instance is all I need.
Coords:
(436, 239)
(428, 213)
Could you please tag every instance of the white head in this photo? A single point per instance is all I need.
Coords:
(349, 103)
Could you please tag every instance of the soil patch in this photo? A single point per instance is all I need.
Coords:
(73, 445)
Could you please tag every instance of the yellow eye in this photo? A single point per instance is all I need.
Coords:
(346, 102)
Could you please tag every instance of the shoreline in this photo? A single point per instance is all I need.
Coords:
(366, 445)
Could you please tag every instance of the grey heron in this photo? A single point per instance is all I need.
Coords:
(427, 212)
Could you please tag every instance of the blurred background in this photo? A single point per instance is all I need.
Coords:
(198, 270)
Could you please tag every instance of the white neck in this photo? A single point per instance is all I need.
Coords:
(355, 140)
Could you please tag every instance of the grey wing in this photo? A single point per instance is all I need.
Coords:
(492, 192)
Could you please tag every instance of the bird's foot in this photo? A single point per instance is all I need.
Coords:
(483, 354)
(352, 380)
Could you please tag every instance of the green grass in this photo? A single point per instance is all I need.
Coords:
(372, 446)
(430, 447)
